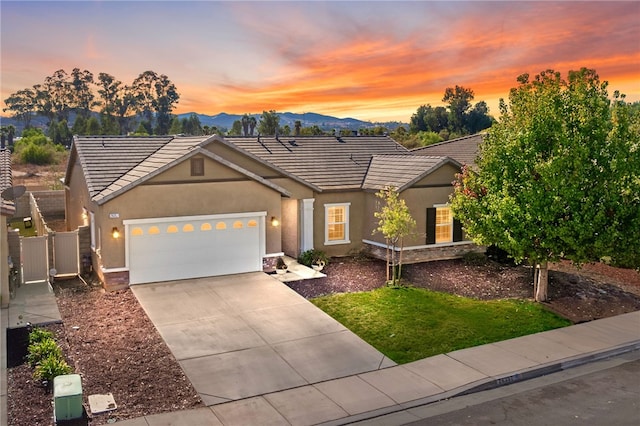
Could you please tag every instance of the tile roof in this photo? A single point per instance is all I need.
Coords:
(112, 165)
(105, 159)
(173, 152)
(327, 162)
(7, 207)
(400, 171)
(464, 150)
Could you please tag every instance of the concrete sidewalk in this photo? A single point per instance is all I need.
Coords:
(391, 396)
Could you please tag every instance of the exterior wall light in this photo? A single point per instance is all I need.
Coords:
(274, 222)
(115, 233)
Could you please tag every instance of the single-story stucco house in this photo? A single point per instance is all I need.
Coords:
(169, 208)
(7, 209)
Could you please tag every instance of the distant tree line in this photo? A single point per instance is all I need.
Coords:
(106, 106)
(459, 118)
(147, 103)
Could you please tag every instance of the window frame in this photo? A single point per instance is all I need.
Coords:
(327, 224)
(450, 224)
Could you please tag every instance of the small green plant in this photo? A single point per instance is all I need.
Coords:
(51, 367)
(37, 335)
(44, 349)
(312, 257)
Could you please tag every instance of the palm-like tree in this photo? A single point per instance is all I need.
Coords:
(252, 124)
(245, 125)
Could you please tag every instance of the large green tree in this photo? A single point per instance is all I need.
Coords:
(23, 104)
(459, 100)
(81, 92)
(269, 123)
(155, 97)
(557, 177)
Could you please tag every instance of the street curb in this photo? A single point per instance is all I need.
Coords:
(543, 370)
(491, 383)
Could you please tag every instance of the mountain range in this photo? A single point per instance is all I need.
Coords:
(224, 120)
(307, 119)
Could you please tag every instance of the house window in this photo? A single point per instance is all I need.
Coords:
(444, 225)
(336, 224)
(197, 167)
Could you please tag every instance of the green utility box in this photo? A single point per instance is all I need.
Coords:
(67, 397)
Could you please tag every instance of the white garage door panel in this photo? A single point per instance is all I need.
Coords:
(182, 248)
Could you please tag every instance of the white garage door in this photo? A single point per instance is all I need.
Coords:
(165, 249)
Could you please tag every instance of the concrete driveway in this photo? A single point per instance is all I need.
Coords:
(244, 335)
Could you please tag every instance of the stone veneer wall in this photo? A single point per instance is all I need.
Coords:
(426, 253)
(113, 281)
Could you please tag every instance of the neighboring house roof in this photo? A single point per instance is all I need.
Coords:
(400, 171)
(7, 207)
(327, 162)
(464, 150)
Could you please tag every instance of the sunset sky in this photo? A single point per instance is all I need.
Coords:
(370, 60)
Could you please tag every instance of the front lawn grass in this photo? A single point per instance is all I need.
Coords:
(408, 324)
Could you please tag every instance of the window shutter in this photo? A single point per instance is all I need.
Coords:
(431, 225)
(457, 230)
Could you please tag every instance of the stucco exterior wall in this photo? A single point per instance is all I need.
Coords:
(290, 223)
(357, 217)
(77, 198)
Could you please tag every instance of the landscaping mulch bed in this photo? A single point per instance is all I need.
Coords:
(108, 339)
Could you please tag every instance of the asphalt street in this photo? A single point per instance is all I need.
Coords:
(604, 392)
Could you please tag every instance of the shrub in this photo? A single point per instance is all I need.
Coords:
(474, 258)
(37, 154)
(312, 257)
(51, 367)
(37, 335)
(46, 348)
